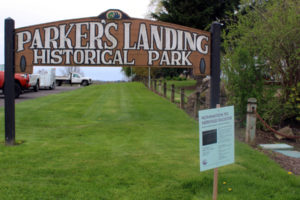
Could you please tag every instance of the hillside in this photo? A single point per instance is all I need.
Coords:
(121, 141)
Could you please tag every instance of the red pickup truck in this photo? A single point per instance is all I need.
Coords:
(21, 83)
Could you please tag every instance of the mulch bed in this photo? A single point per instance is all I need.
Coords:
(290, 164)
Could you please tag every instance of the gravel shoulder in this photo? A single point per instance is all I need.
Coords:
(27, 95)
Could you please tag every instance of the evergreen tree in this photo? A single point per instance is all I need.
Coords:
(195, 13)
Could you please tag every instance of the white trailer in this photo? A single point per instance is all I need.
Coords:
(34, 82)
(47, 78)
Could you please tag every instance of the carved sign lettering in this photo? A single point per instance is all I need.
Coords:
(112, 41)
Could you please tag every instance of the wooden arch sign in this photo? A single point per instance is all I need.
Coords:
(112, 39)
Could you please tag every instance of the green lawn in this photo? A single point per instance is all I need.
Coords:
(122, 141)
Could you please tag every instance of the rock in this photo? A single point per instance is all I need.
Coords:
(286, 131)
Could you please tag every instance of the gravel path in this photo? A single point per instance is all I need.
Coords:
(32, 95)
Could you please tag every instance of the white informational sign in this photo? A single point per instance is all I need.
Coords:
(216, 135)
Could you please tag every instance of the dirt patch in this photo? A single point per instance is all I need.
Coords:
(290, 164)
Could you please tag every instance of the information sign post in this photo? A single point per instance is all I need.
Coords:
(216, 138)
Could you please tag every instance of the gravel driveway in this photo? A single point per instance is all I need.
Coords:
(32, 95)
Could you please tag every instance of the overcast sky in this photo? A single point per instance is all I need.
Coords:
(31, 12)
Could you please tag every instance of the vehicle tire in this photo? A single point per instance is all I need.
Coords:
(58, 83)
(3, 90)
(36, 88)
(18, 90)
(52, 87)
(84, 83)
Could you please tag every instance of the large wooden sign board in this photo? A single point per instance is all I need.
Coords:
(112, 39)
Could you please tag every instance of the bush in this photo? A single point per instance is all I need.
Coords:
(168, 78)
(262, 41)
(243, 79)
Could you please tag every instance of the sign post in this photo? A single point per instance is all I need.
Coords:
(215, 64)
(215, 82)
(9, 86)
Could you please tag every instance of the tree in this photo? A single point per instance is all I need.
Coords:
(140, 73)
(155, 6)
(195, 13)
(269, 32)
(67, 70)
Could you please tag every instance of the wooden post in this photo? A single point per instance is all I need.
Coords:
(182, 98)
(149, 77)
(9, 86)
(151, 84)
(215, 189)
(165, 89)
(159, 88)
(155, 86)
(172, 93)
(215, 64)
(196, 105)
(251, 120)
(215, 186)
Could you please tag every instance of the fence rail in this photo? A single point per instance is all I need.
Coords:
(176, 95)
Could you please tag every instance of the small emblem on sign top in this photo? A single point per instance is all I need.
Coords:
(114, 14)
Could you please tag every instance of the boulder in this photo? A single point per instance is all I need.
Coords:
(286, 131)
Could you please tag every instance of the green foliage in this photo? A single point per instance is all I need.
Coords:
(195, 13)
(127, 71)
(142, 72)
(293, 103)
(243, 79)
(269, 32)
(171, 72)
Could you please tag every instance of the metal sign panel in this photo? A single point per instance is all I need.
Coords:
(216, 137)
(112, 39)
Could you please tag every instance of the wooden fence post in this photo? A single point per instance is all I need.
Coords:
(196, 105)
(165, 89)
(151, 84)
(251, 120)
(160, 88)
(182, 98)
(172, 93)
(155, 86)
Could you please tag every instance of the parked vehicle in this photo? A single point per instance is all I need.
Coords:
(73, 78)
(47, 78)
(21, 83)
(34, 81)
